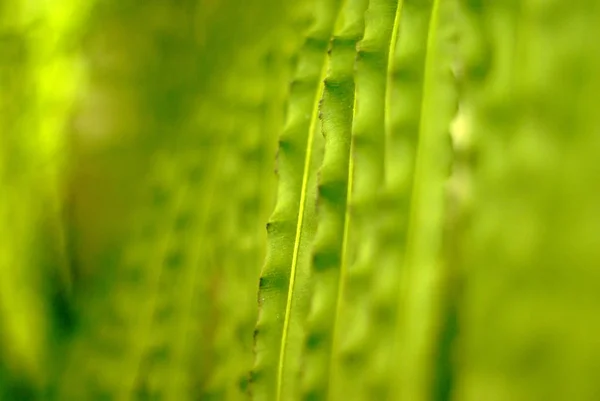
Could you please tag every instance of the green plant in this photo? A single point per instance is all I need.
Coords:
(431, 225)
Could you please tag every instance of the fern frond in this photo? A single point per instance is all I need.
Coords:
(360, 330)
(283, 288)
(257, 93)
(424, 273)
(329, 263)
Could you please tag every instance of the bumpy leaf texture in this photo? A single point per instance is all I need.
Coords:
(426, 171)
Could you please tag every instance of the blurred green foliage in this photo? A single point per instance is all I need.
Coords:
(427, 171)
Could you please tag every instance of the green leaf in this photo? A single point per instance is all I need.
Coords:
(360, 318)
(137, 143)
(424, 273)
(283, 288)
(329, 263)
(248, 205)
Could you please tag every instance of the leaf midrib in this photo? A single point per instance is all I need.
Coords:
(299, 225)
(390, 75)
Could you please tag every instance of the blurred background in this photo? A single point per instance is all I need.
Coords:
(137, 139)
